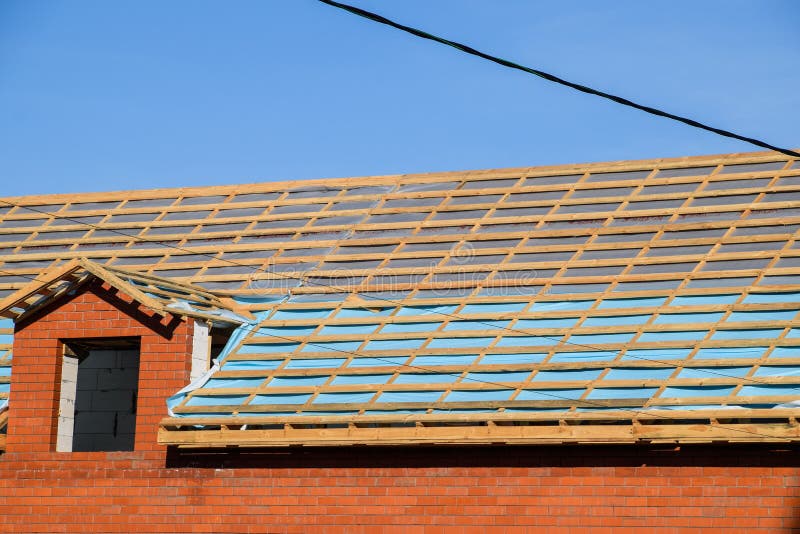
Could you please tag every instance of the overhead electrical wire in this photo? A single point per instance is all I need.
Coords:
(555, 79)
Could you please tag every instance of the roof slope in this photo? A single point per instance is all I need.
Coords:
(514, 304)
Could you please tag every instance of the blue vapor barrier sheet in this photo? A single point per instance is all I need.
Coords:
(729, 352)
(427, 378)
(704, 300)
(506, 359)
(785, 352)
(318, 363)
(236, 337)
(633, 373)
(449, 359)
(348, 397)
(683, 327)
(631, 303)
(338, 329)
(479, 396)
(5, 339)
(769, 298)
(567, 305)
(349, 380)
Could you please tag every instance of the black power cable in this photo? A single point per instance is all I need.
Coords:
(555, 79)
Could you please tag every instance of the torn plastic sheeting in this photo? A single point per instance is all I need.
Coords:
(656, 354)
(249, 365)
(233, 341)
(215, 383)
(224, 315)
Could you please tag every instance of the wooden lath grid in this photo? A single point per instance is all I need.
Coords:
(310, 237)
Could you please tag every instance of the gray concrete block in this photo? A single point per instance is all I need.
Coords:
(94, 423)
(114, 400)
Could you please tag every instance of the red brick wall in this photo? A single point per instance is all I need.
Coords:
(166, 345)
(364, 490)
(350, 489)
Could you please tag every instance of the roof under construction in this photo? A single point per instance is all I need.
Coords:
(648, 300)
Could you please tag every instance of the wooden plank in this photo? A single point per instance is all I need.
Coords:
(465, 435)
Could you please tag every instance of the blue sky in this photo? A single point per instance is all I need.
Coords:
(98, 96)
